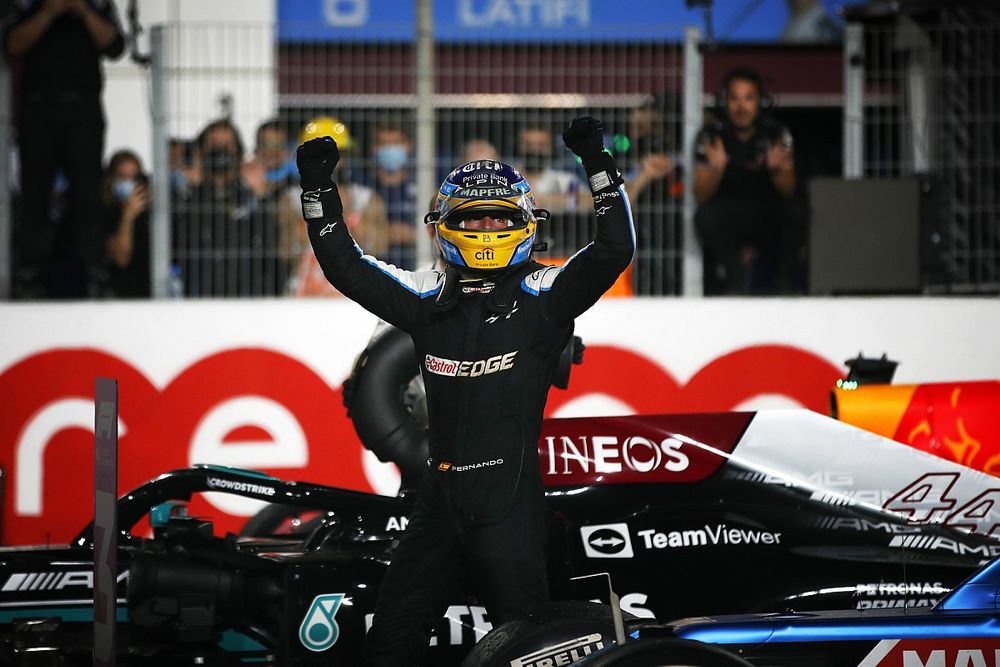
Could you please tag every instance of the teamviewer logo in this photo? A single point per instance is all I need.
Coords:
(609, 540)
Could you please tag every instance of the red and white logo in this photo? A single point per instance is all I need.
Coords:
(452, 368)
(637, 450)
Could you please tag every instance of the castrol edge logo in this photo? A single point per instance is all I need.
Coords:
(452, 368)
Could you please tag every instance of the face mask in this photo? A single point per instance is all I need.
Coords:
(122, 188)
(282, 173)
(178, 180)
(535, 161)
(392, 157)
(219, 160)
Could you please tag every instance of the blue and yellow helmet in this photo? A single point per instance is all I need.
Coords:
(476, 190)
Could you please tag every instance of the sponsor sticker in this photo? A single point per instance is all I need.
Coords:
(564, 653)
(453, 368)
(234, 485)
(609, 540)
(717, 535)
(319, 630)
(599, 181)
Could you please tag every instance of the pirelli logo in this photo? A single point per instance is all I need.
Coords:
(452, 368)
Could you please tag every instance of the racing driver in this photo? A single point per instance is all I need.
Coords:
(488, 331)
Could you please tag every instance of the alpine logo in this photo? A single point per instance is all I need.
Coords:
(452, 368)
(319, 630)
(609, 540)
(565, 653)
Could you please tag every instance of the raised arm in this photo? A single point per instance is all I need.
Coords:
(590, 272)
(390, 293)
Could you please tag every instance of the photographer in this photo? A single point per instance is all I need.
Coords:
(744, 182)
(125, 196)
(60, 128)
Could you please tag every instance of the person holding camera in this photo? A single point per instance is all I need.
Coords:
(744, 183)
(125, 195)
(488, 331)
(60, 128)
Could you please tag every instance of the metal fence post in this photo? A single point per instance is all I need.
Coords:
(6, 224)
(160, 236)
(693, 111)
(425, 119)
(854, 101)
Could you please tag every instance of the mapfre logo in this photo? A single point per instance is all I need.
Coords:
(452, 368)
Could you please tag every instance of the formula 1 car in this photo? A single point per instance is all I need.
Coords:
(688, 514)
(962, 629)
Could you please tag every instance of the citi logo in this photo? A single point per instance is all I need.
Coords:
(486, 254)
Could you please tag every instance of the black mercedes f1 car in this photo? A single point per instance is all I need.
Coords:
(688, 514)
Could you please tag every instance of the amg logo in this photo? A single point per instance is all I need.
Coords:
(933, 542)
(864, 525)
(233, 485)
(700, 537)
(452, 368)
(51, 581)
(561, 654)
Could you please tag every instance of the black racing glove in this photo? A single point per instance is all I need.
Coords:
(585, 137)
(316, 160)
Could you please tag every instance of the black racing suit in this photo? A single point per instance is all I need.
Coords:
(480, 510)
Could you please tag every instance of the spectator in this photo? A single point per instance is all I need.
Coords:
(555, 189)
(125, 195)
(649, 175)
(61, 127)
(223, 243)
(744, 182)
(478, 149)
(808, 21)
(393, 182)
(273, 179)
(184, 172)
(364, 212)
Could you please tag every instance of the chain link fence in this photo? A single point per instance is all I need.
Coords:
(236, 230)
(926, 93)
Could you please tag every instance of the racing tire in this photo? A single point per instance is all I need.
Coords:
(664, 653)
(545, 628)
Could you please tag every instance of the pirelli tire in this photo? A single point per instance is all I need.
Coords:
(664, 653)
(574, 624)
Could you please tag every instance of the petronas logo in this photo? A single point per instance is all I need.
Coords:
(319, 630)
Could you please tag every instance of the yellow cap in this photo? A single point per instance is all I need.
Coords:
(327, 126)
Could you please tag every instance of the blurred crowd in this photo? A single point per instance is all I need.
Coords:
(82, 228)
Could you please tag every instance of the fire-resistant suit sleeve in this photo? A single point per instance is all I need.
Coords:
(391, 293)
(588, 274)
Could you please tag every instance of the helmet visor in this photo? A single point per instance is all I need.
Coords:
(481, 218)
